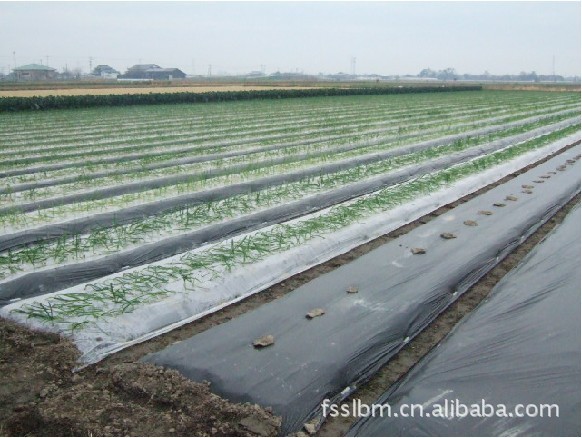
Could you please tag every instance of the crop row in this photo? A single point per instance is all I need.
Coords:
(15, 220)
(39, 126)
(69, 249)
(120, 237)
(50, 189)
(238, 135)
(179, 129)
(126, 291)
(65, 138)
(161, 155)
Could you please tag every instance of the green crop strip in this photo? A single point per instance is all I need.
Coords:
(233, 124)
(168, 155)
(172, 135)
(125, 292)
(66, 102)
(110, 240)
(47, 124)
(109, 137)
(84, 183)
(44, 216)
(336, 127)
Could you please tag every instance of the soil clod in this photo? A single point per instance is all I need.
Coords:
(417, 250)
(315, 313)
(485, 212)
(311, 427)
(471, 223)
(448, 236)
(352, 290)
(511, 198)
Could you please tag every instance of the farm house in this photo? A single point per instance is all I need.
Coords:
(153, 72)
(34, 72)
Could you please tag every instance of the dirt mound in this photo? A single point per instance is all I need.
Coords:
(40, 395)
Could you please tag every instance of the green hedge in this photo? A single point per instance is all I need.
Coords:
(85, 101)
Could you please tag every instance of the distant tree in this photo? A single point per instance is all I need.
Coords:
(447, 74)
(77, 72)
(427, 73)
(530, 77)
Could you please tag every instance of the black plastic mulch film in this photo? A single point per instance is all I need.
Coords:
(38, 283)
(327, 357)
(521, 346)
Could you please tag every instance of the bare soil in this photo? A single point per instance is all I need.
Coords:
(40, 394)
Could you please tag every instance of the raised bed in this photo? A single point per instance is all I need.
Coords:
(521, 346)
(327, 357)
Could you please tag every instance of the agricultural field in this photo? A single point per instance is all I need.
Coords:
(81, 89)
(119, 225)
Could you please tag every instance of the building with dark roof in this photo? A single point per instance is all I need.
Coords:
(34, 72)
(153, 72)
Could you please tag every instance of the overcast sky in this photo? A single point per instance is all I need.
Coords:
(236, 37)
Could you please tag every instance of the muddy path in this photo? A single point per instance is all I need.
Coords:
(40, 394)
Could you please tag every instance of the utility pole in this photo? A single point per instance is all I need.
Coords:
(193, 69)
(14, 59)
(554, 67)
(209, 70)
(353, 65)
(90, 64)
(47, 60)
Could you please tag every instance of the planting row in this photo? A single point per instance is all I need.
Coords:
(98, 124)
(85, 257)
(367, 310)
(405, 125)
(519, 348)
(356, 109)
(109, 314)
(206, 170)
(177, 215)
(101, 201)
